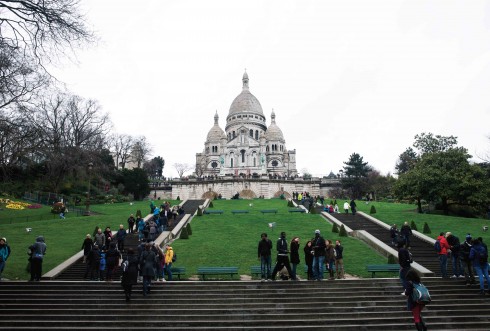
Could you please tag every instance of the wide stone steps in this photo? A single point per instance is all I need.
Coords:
(365, 304)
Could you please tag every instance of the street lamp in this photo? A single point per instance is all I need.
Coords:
(341, 173)
(87, 207)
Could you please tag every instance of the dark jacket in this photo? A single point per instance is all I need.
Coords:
(264, 247)
(147, 262)
(38, 249)
(464, 252)
(308, 255)
(112, 257)
(338, 252)
(319, 245)
(406, 230)
(130, 277)
(295, 252)
(329, 253)
(121, 234)
(454, 244)
(282, 247)
(476, 251)
(404, 258)
(87, 246)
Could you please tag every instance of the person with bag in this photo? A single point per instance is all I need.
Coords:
(404, 259)
(38, 250)
(479, 257)
(416, 300)
(147, 263)
(4, 254)
(443, 251)
(330, 258)
(169, 259)
(129, 273)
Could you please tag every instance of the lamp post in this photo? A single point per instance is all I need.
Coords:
(341, 173)
(87, 203)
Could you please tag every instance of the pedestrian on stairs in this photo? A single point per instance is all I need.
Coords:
(130, 273)
(415, 307)
(282, 256)
(465, 259)
(404, 259)
(147, 262)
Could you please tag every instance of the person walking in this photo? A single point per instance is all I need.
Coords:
(4, 254)
(264, 252)
(282, 256)
(112, 257)
(404, 259)
(309, 252)
(87, 246)
(479, 257)
(466, 261)
(346, 207)
(353, 207)
(443, 254)
(99, 238)
(294, 249)
(406, 233)
(120, 237)
(415, 307)
(319, 256)
(131, 223)
(38, 250)
(129, 273)
(147, 262)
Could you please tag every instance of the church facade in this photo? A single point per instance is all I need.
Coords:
(247, 148)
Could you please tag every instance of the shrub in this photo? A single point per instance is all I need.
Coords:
(184, 234)
(189, 230)
(335, 228)
(57, 207)
(178, 198)
(426, 228)
(138, 213)
(413, 226)
(331, 203)
(290, 203)
(342, 231)
(373, 210)
(391, 259)
(199, 211)
(211, 205)
(312, 210)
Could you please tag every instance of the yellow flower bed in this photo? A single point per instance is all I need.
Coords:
(17, 205)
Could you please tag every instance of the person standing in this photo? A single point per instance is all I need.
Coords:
(112, 257)
(4, 254)
(264, 252)
(38, 250)
(282, 256)
(319, 257)
(406, 233)
(87, 246)
(169, 257)
(479, 257)
(120, 237)
(131, 223)
(346, 207)
(404, 259)
(99, 238)
(443, 254)
(465, 260)
(294, 249)
(130, 273)
(140, 223)
(415, 307)
(339, 259)
(394, 235)
(330, 258)
(147, 262)
(308, 249)
(455, 247)
(353, 207)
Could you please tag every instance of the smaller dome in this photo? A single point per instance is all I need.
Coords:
(216, 133)
(274, 133)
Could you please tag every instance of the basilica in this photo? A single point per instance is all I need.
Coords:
(247, 148)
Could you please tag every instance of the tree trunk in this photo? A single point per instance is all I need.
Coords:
(419, 205)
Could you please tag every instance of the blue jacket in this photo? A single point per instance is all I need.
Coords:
(474, 256)
(4, 252)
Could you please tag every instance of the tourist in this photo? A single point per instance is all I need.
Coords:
(147, 262)
(404, 259)
(455, 247)
(406, 233)
(339, 259)
(87, 247)
(108, 237)
(152, 230)
(308, 249)
(131, 223)
(294, 252)
(160, 265)
(346, 207)
(99, 238)
(4, 254)
(479, 257)
(102, 265)
(416, 308)
(336, 209)
(120, 237)
(466, 261)
(264, 252)
(130, 274)
(319, 256)
(93, 264)
(443, 254)
(169, 257)
(330, 258)
(282, 256)
(140, 223)
(113, 256)
(353, 207)
(394, 235)
(37, 252)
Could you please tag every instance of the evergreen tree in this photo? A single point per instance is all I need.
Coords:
(342, 232)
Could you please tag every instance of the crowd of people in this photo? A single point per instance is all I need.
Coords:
(319, 254)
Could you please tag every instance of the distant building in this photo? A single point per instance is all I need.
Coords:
(247, 147)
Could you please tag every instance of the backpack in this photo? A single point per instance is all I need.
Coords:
(420, 294)
(174, 257)
(437, 246)
(483, 257)
(124, 266)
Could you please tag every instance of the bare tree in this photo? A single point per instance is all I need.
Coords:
(140, 150)
(182, 168)
(120, 146)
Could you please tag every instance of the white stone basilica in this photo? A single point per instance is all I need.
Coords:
(247, 147)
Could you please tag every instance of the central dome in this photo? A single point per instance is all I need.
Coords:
(245, 102)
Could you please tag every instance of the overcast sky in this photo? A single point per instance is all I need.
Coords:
(342, 76)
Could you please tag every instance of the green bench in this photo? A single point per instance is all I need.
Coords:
(297, 210)
(255, 270)
(177, 271)
(213, 212)
(269, 211)
(203, 271)
(239, 211)
(374, 268)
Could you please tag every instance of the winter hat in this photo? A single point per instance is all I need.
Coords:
(468, 236)
(4, 239)
(317, 231)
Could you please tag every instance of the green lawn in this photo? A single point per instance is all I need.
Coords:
(220, 240)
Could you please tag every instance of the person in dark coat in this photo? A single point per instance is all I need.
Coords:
(294, 249)
(319, 257)
(130, 274)
(131, 223)
(282, 256)
(353, 206)
(120, 237)
(406, 233)
(112, 258)
(37, 252)
(87, 246)
(264, 252)
(93, 264)
(147, 263)
(330, 258)
(308, 249)
(404, 259)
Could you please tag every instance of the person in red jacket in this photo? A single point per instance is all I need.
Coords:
(443, 254)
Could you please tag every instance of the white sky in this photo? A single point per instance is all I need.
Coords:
(342, 76)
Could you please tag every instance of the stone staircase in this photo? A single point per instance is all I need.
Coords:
(366, 304)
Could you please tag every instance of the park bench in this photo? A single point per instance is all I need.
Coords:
(268, 211)
(239, 211)
(374, 268)
(177, 271)
(203, 271)
(296, 210)
(213, 212)
(255, 270)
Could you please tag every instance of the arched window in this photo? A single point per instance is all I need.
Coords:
(243, 155)
(251, 133)
(256, 134)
